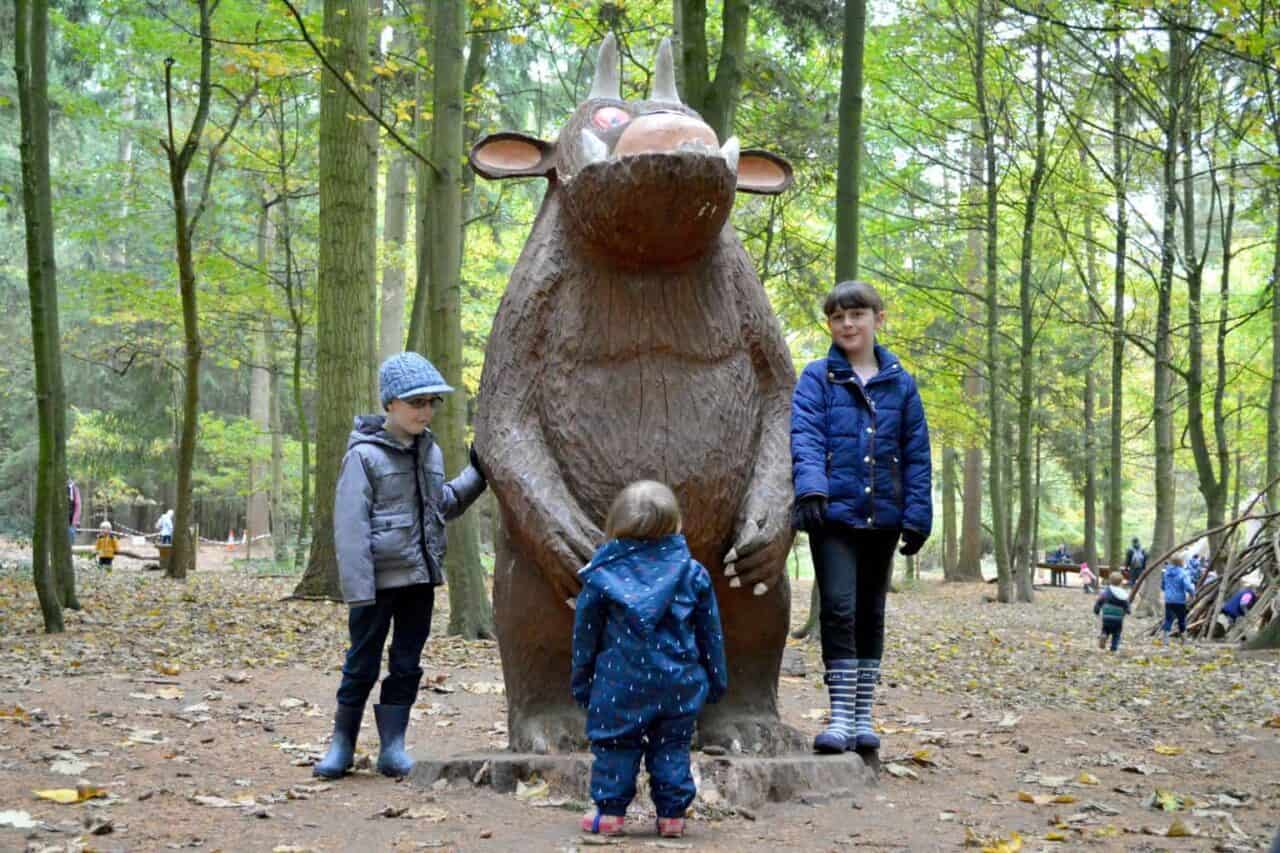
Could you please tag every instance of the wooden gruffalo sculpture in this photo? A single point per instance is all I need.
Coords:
(635, 341)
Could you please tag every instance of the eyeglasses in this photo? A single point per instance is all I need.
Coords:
(423, 402)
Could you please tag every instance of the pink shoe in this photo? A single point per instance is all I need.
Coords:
(671, 827)
(603, 824)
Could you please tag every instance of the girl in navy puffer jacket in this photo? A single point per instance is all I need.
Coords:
(863, 479)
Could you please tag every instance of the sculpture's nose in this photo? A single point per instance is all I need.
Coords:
(664, 131)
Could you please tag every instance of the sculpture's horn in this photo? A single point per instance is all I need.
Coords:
(664, 76)
(606, 83)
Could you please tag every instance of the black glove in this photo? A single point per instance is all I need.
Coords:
(912, 541)
(475, 462)
(811, 511)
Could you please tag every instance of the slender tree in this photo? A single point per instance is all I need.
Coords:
(50, 544)
(344, 292)
(715, 99)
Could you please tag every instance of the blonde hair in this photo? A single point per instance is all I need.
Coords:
(1115, 578)
(645, 509)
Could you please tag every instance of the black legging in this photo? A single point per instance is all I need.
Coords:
(853, 568)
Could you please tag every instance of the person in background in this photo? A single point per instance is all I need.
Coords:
(105, 546)
(1087, 580)
(1178, 589)
(1112, 605)
(74, 507)
(1238, 605)
(1135, 560)
(164, 526)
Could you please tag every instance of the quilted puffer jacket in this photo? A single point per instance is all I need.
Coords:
(866, 448)
(390, 509)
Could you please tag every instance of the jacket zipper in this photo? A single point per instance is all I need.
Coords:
(421, 508)
(871, 445)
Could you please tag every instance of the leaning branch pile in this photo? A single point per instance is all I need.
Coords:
(1233, 559)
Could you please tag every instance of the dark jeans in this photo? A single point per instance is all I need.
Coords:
(1175, 611)
(1112, 630)
(853, 569)
(664, 746)
(409, 607)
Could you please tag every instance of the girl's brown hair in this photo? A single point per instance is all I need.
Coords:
(852, 295)
(645, 509)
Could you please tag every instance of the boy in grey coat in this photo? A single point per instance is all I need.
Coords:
(389, 519)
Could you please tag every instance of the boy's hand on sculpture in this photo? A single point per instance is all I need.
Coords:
(474, 458)
(912, 541)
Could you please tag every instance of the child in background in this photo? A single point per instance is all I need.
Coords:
(1178, 588)
(1112, 605)
(647, 653)
(105, 546)
(1087, 580)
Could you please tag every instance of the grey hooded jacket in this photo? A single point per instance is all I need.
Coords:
(391, 506)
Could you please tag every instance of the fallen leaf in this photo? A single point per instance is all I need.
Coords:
(1273, 723)
(1169, 801)
(17, 712)
(494, 688)
(214, 802)
(1086, 778)
(18, 820)
(168, 668)
(1008, 721)
(70, 796)
(428, 814)
(170, 693)
(923, 758)
(1055, 836)
(1165, 749)
(1064, 799)
(1035, 799)
(1178, 829)
(901, 772)
(534, 789)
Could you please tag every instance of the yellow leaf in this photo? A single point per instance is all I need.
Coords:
(1108, 831)
(1164, 749)
(1178, 829)
(1273, 723)
(1065, 798)
(1035, 799)
(1055, 836)
(1087, 778)
(923, 758)
(17, 712)
(167, 668)
(69, 796)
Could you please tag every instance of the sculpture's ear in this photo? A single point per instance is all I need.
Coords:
(763, 173)
(513, 155)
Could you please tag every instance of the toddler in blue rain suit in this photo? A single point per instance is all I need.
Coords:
(647, 653)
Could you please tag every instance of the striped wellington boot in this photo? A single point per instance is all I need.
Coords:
(842, 681)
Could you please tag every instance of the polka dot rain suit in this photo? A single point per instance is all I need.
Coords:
(648, 652)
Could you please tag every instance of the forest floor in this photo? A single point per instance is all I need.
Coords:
(189, 714)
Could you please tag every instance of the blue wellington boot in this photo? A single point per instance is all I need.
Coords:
(392, 721)
(342, 749)
(865, 737)
(841, 679)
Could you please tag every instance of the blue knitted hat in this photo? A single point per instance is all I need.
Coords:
(407, 374)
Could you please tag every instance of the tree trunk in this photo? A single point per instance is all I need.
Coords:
(391, 326)
(345, 306)
(995, 426)
(715, 100)
(258, 511)
(849, 166)
(1023, 562)
(969, 565)
(278, 549)
(420, 336)
(950, 544)
(1115, 484)
(1093, 282)
(31, 70)
(470, 614)
(1162, 538)
(183, 558)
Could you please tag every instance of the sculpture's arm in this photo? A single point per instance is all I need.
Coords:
(762, 532)
(525, 476)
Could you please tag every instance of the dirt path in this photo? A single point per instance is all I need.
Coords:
(196, 709)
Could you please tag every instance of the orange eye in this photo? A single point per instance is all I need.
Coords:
(607, 118)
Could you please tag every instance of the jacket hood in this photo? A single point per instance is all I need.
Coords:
(641, 577)
(1118, 592)
(838, 361)
(372, 429)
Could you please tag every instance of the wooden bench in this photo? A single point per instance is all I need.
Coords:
(1058, 572)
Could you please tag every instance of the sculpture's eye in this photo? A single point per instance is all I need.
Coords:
(607, 118)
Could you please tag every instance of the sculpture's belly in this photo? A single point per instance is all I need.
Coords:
(691, 425)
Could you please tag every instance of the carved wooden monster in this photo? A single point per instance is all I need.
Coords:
(635, 341)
